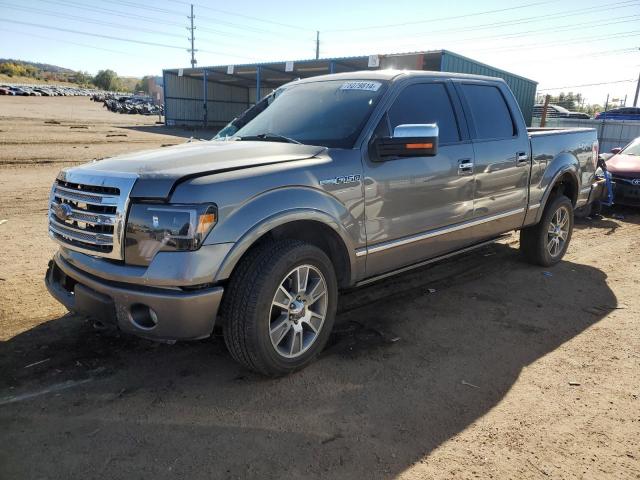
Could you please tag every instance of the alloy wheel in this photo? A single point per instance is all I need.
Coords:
(298, 311)
(558, 231)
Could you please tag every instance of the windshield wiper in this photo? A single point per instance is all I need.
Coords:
(266, 137)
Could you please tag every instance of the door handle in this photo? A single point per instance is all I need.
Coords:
(522, 159)
(465, 166)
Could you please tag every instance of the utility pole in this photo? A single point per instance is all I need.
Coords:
(635, 99)
(318, 47)
(192, 39)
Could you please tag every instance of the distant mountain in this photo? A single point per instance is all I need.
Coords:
(45, 67)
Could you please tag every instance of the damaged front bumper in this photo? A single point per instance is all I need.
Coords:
(156, 313)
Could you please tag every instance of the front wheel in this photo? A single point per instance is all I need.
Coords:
(546, 242)
(279, 307)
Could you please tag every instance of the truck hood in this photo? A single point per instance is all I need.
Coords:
(622, 163)
(158, 170)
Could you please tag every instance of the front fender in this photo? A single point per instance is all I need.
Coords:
(269, 210)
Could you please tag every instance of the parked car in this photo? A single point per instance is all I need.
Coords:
(624, 113)
(579, 115)
(340, 181)
(556, 111)
(19, 91)
(5, 91)
(624, 167)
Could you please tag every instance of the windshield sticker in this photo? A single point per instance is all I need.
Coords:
(364, 86)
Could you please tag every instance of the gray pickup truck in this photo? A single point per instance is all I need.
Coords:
(334, 182)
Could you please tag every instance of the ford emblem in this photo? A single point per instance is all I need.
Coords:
(62, 210)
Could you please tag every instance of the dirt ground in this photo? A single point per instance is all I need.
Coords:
(477, 367)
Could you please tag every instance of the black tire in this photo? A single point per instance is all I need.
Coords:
(247, 305)
(534, 240)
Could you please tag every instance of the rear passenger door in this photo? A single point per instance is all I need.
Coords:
(502, 164)
(410, 202)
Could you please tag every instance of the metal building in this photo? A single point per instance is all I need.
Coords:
(213, 96)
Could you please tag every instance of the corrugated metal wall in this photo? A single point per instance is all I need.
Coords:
(523, 89)
(184, 101)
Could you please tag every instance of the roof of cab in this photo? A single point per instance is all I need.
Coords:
(393, 75)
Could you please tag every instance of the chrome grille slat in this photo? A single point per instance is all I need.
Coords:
(81, 235)
(92, 208)
(85, 197)
(91, 217)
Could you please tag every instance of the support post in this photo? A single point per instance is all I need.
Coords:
(317, 44)
(332, 67)
(635, 99)
(205, 112)
(604, 120)
(545, 108)
(258, 72)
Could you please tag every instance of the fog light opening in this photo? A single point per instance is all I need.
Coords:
(143, 316)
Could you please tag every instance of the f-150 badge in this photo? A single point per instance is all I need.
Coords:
(342, 180)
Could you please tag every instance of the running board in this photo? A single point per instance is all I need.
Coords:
(431, 260)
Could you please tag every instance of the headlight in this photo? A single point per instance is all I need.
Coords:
(152, 228)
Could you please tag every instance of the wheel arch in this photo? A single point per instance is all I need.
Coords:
(311, 226)
(565, 182)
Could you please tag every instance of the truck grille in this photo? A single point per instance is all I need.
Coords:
(87, 217)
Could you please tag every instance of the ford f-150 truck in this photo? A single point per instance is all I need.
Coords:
(337, 181)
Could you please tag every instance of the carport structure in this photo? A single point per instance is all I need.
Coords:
(210, 97)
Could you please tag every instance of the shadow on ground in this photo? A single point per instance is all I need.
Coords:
(610, 219)
(413, 362)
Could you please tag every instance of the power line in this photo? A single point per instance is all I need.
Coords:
(441, 19)
(518, 21)
(88, 20)
(122, 26)
(84, 45)
(147, 19)
(568, 41)
(249, 17)
(107, 11)
(586, 85)
(573, 26)
(129, 3)
(112, 37)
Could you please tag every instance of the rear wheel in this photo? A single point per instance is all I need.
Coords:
(279, 307)
(546, 242)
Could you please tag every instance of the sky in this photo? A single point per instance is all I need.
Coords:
(562, 45)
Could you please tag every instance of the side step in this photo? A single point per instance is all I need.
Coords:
(431, 260)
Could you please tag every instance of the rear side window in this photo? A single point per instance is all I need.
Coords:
(426, 103)
(490, 112)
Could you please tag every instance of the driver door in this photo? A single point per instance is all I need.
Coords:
(412, 203)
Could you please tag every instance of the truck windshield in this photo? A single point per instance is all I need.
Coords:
(329, 113)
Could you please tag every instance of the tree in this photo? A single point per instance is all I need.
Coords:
(573, 102)
(143, 84)
(80, 77)
(107, 80)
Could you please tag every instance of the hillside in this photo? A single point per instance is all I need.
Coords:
(45, 67)
(18, 79)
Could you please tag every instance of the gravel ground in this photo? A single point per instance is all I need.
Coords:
(504, 371)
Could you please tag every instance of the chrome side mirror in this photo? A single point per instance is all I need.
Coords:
(423, 130)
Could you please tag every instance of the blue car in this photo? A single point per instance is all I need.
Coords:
(624, 113)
